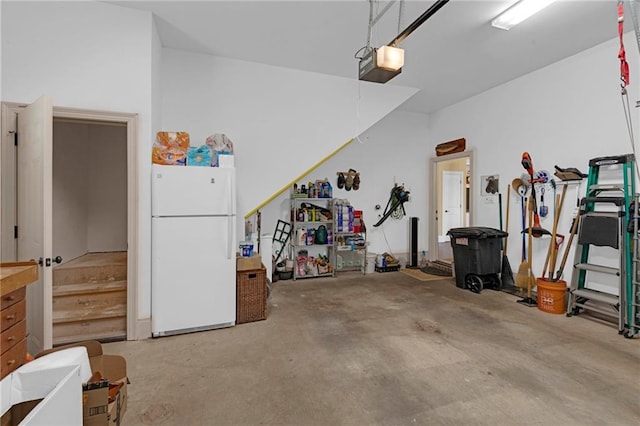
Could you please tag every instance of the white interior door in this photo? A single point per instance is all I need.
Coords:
(34, 206)
(451, 201)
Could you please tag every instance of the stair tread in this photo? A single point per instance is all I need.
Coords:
(63, 316)
(89, 336)
(597, 295)
(83, 288)
(93, 260)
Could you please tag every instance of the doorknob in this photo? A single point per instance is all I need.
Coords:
(48, 260)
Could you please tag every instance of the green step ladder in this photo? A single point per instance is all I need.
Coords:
(604, 212)
(633, 316)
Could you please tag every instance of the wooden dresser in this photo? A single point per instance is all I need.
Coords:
(14, 278)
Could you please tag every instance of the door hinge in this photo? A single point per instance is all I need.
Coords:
(15, 232)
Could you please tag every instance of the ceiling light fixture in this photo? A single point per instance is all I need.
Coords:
(519, 12)
(382, 64)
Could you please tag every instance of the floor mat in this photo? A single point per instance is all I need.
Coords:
(419, 275)
(438, 268)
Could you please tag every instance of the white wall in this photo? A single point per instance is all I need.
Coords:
(395, 149)
(564, 114)
(89, 189)
(70, 186)
(87, 55)
(281, 121)
(107, 190)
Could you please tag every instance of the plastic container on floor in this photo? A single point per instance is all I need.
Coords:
(476, 251)
(551, 296)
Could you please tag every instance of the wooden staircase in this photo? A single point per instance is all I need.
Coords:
(90, 298)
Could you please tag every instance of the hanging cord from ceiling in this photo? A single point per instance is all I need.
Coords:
(624, 77)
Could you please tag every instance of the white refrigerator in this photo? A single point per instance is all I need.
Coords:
(193, 260)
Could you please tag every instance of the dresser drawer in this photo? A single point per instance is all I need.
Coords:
(11, 336)
(12, 298)
(13, 358)
(12, 315)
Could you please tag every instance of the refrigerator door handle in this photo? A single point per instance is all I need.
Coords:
(230, 208)
(229, 234)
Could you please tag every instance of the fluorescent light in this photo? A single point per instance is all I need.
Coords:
(519, 12)
(390, 58)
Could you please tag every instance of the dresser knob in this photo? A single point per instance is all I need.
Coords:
(11, 362)
(11, 317)
(11, 338)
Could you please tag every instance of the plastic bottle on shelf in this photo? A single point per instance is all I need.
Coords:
(329, 189)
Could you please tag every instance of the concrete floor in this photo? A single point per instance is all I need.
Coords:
(388, 349)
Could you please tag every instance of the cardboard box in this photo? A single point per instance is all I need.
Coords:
(249, 263)
(96, 410)
(46, 391)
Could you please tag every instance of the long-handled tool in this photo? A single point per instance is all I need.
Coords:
(553, 247)
(525, 278)
(506, 274)
(574, 230)
(522, 277)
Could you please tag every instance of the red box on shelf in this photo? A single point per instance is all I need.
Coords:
(357, 220)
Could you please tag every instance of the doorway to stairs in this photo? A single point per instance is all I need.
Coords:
(86, 187)
(450, 201)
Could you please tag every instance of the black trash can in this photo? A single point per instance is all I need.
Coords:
(476, 256)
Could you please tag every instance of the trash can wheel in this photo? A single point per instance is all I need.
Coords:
(473, 283)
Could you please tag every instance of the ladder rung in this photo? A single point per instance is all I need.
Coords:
(610, 160)
(609, 312)
(597, 268)
(607, 186)
(613, 215)
(618, 201)
(596, 295)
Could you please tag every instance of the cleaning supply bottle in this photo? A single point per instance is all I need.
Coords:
(329, 188)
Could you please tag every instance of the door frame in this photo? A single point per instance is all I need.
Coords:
(8, 212)
(432, 207)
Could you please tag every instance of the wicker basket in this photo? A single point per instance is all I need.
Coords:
(251, 292)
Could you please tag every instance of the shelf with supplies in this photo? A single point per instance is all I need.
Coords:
(350, 237)
(312, 232)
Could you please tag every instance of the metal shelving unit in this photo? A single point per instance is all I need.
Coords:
(310, 215)
(350, 247)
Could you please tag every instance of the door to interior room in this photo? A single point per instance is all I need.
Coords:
(450, 201)
(27, 201)
(452, 184)
(34, 204)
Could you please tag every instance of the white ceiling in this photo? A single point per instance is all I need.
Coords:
(452, 56)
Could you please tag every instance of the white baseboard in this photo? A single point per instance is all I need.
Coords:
(143, 330)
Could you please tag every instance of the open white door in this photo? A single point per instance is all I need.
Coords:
(34, 212)
(451, 202)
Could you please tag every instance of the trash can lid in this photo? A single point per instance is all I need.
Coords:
(476, 232)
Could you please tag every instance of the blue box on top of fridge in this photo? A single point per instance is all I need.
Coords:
(199, 156)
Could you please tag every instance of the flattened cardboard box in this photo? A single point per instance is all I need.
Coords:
(96, 411)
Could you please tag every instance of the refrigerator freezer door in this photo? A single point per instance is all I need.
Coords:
(192, 191)
(193, 274)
